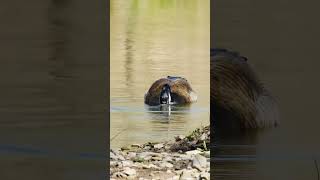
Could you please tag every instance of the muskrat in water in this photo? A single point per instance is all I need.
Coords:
(170, 90)
(238, 98)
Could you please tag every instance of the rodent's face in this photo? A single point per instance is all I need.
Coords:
(165, 95)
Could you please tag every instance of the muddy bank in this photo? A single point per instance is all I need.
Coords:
(185, 157)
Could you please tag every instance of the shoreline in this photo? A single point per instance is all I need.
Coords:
(184, 157)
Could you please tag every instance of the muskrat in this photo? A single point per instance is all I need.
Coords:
(238, 99)
(170, 90)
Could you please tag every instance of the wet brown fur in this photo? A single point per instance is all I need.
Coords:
(238, 98)
(180, 89)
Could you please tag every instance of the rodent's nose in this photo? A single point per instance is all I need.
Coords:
(165, 97)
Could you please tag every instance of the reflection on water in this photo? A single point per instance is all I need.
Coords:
(150, 40)
(53, 90)
(282, 46)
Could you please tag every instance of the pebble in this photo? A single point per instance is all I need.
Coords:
(166, 165)
(168, 159)
(113, 163)
(131, 155)
(121, 158)
(129, 171)
(144, 155)
(204, 176)
(135, 145)
(180, 137)
(127, 163)
(199, 162)
(203, 137)
(119, 175)
(154, 166)
(113, 156)
(206, 154)
(193, 152)
(125, 148)
(186, 175)
(137, 165)
(167, 147)
(158, 146)
(175, 178)
(156, 158)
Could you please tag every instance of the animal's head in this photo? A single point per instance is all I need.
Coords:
(165, 95)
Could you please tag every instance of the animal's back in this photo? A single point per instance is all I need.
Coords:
(238, 98)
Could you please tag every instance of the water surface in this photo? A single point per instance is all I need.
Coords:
(53, 90)
(151, 40)
(282, 46)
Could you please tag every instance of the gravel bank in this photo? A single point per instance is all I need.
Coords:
(186, 157)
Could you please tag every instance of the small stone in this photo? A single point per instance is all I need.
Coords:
(199, 162)
(204, 176)
(156, 155)
(193, 152)
(196, 175)
(129, 171)
(138, 159)
(186, 175)
(164, 154)
(121, 157)
(154, 166)
(113, 156)
(158, 146)
(156, 158)
(186, 156)
(116, 164)
(178, 172)
(113, 163)
(206, 154)
(131, 155)
(180, 137)
(168, 159)
(119, 175)
(166, 165)
(175, 178)
(137, 165)
(125, 148)
(203, 137)
(144, 156)
(136, 145)
(127, 163)
(144, 166)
